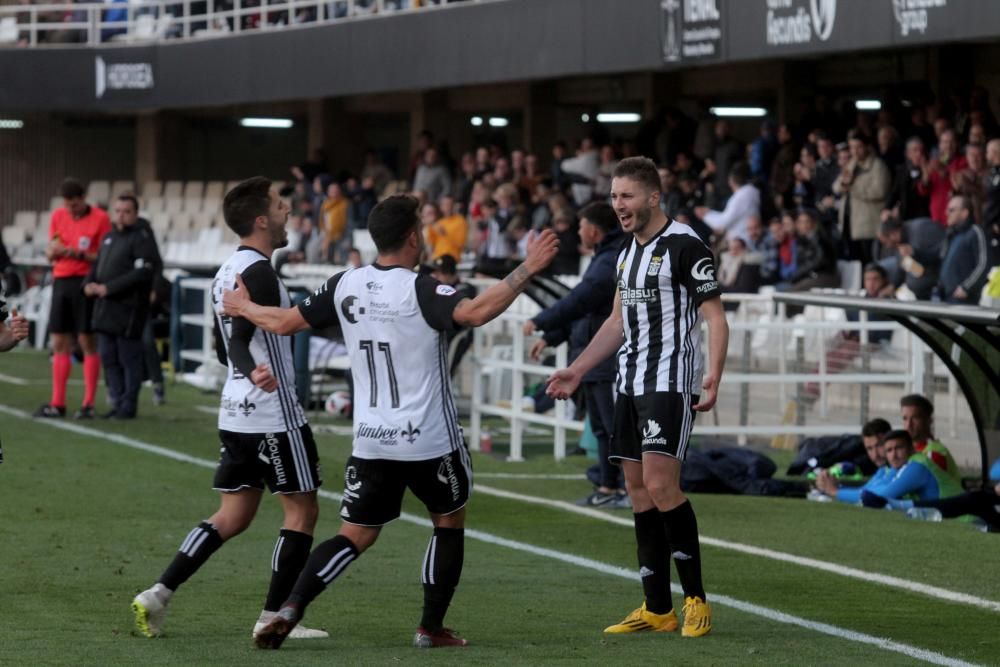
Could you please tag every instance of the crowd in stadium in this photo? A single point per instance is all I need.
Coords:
(915, 191)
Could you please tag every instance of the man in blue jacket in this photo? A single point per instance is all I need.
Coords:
(591, 300)
(966, 262)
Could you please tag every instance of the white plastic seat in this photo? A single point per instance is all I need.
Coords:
(8, 30)
(26, 220)
(173, 204)
(152, 189)
(13, 236)
(173, 189)
(215, 190)
(99, 192)
(122, 187)
(55, 202)
(194, 189)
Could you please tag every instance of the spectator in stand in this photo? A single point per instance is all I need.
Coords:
(803, 191)
(567, 261)
(906, 201)
(121, 279)
(778, 255)
(364, 197)
(75, 234)
(582, 172)
(333, 217)
(977, 135)
(375, 170)
(502, 171)
(531, 176)
(917, 413)
(783, 170)
(826, 172)
(731, 272)
(865, 180)
(915, 475)
(740, 207)
(887, 144)
(935, 182)
(466, 181)
(495, 249)
(447, 234)
(965, 264)
(762, 152)
(991, 189)
(971, 180)
(432, 176)
(519, 235)
(592, 298)
(425, 141)
(670, 193)
(872, 435)
(846, 345)
(815, 256)
(726, 153)
(540, 215)
(605, 170)
(919, 127)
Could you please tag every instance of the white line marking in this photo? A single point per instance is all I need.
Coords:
(579, 477)
(10, 379)
(580, 561)
(825, 566)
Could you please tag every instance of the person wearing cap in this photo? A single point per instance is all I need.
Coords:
(444, 269)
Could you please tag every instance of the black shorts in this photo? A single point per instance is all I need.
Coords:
(71, 311)
(373, 488)
(287, 462)
(660, 422)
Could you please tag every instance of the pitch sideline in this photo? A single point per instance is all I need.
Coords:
(580, 561)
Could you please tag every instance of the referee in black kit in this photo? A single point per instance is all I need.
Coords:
(666, 286)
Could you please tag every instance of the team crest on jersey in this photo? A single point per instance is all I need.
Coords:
(411, 433)
(84, 243)
(702, 270)
(373, 286)
(246, 407)
(351, 481)
(654, 266)
(445, 290)
(350, 311)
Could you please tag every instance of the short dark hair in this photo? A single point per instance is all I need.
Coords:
(919, 402)
(740, 173)
(874, 267)
(877, 426)
(128, 196)
(809, 212)
(392, 220)
(858, 135)
(899, 434)
(245, 203)
(601, 215)
(71, 189)
(639, 169)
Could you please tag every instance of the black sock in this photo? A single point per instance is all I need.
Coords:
(327, 562)
(441, 572)
(654, 560)
(196, 548)
(682, 534)
(290, 554)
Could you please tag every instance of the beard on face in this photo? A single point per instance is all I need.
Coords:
(642, 218)
(279, 236)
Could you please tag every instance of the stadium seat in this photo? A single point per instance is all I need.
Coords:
(99, 192)
(173, 189)
(55, 202)
(215, 190)
(173, 204)
(154, 205)
(8, 30)
(850, 275)
(122, 187)
(152, 189)
(192, 205)
(26, 220)
(181, 222)
(203, 219)
(211, 205)
(194, 189)
(13, 236)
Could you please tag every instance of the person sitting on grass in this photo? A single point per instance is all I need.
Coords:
(915, 476)
(983, 504)
(872, 435)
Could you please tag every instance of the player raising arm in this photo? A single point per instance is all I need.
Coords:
(406, 430)
(666, 285)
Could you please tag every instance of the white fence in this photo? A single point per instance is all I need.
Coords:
(761, 336)
(144, 21)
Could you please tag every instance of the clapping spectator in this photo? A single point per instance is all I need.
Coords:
(333, 221)
(865, 180)
(445, 229)
(970, 181)
(906, 199)
(936, 178)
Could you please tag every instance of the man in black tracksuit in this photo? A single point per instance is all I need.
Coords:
(121, 279)
(591, 301)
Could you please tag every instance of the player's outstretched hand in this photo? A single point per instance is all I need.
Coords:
(18, 325)
(711, 387)
(542, 250)
(562, 384)
(264, 378)
(234, 301)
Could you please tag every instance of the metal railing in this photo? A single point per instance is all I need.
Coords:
(498, 353)
(149, 21)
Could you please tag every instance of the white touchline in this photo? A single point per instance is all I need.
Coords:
(10, 379)
(825, 566)
(580, 561)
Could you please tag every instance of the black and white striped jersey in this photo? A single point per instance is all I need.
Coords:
(244, 407)
(395, 324)
(661, 284)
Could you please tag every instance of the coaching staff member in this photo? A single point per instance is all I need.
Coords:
(120, 280)
(75, 234)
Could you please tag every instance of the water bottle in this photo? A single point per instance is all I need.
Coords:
(485, 442)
